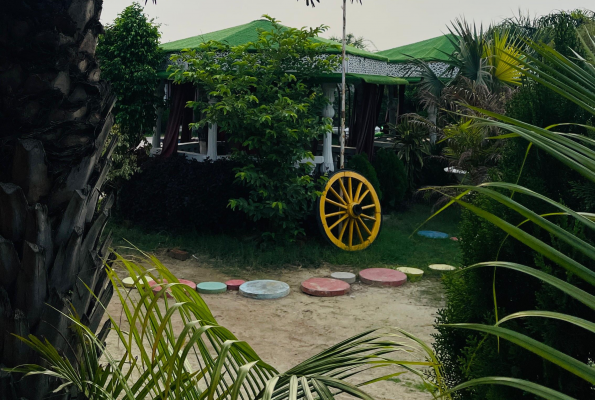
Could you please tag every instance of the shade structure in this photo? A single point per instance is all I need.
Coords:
(435, 52)
(362, 66)
(435, 49)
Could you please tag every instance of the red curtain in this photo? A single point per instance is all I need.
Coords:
(179, 114)
(367, 104)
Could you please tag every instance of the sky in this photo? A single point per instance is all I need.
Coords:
(386, 23)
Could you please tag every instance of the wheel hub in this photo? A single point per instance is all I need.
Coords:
(355, 210)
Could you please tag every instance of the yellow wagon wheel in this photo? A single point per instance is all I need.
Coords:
(349, 211)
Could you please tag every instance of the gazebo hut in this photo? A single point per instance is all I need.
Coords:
(435, 52)
(368, 71)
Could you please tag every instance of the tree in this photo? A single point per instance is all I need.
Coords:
(261, 96)
(359, 42)
(130, 57)
(55, 116)
(311, 2)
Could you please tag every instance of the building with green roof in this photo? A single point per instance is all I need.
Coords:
(362, 66)
(368, 71)
(435, 52)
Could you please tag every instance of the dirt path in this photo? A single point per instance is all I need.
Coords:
(287, 331)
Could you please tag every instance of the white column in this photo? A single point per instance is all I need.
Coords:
(212, 137)
(328, 112)
(432, 117)
(156, 142)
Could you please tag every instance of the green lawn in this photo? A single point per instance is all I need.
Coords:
(394, 247)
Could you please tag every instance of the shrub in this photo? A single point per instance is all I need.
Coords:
(360, 163)
(271, 112)
(177, 194)
(391, 176)
(464, 353)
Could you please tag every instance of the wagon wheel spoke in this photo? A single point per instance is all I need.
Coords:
(359, 233)
(363, 196)
(333, 191)
(337, 222)
(343, 229)
(365, 226)
(335, 214)
(368, 206)
(344, 190)
(335, 203)
(359, 190)
(350, 233)
(368, 217)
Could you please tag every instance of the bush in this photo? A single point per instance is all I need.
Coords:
(360, 163)
(271, 116)
(179, 195)
(470, 300)
(391, 176)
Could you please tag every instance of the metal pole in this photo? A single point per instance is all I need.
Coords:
(343, 69)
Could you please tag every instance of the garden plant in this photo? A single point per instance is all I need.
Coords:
(552, 239)
(261, 94)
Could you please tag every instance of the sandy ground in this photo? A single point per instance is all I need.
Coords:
(287, 331)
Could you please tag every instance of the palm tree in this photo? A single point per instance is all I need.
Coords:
(54, 121)
(55, 115)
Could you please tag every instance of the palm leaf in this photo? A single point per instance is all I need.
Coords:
(526, 386)
(570, 364)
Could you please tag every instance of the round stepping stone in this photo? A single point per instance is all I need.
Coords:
(442, 267)
(128, 282)
(156, 288)
(186, 282)
(234, 284)
(413, 274)
(264, 289)
(433, 234)
(211, 287)
(325, 287)
(344, 276)
(382, 277)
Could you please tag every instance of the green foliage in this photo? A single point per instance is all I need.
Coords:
(413, 145)
(237, 252)
(546, 263)
(264, 102)
(155, 361)
(358, 42)
(391, 176)
(467, 148)
(360, 163)
(192, 196)
(130, 57)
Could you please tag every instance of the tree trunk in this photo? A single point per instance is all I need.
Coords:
(54, 121)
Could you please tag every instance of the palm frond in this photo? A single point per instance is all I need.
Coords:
(204, 360)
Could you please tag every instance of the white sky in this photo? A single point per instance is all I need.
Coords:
(387, 23)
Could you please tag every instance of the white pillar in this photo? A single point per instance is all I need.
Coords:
(432, 117)
(156, 142)
(212, 137)
(328, 112)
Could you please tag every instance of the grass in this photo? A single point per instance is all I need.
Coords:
(394, 247)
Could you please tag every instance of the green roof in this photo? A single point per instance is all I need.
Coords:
(360, 78)
(428, 50)
(243, 34)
